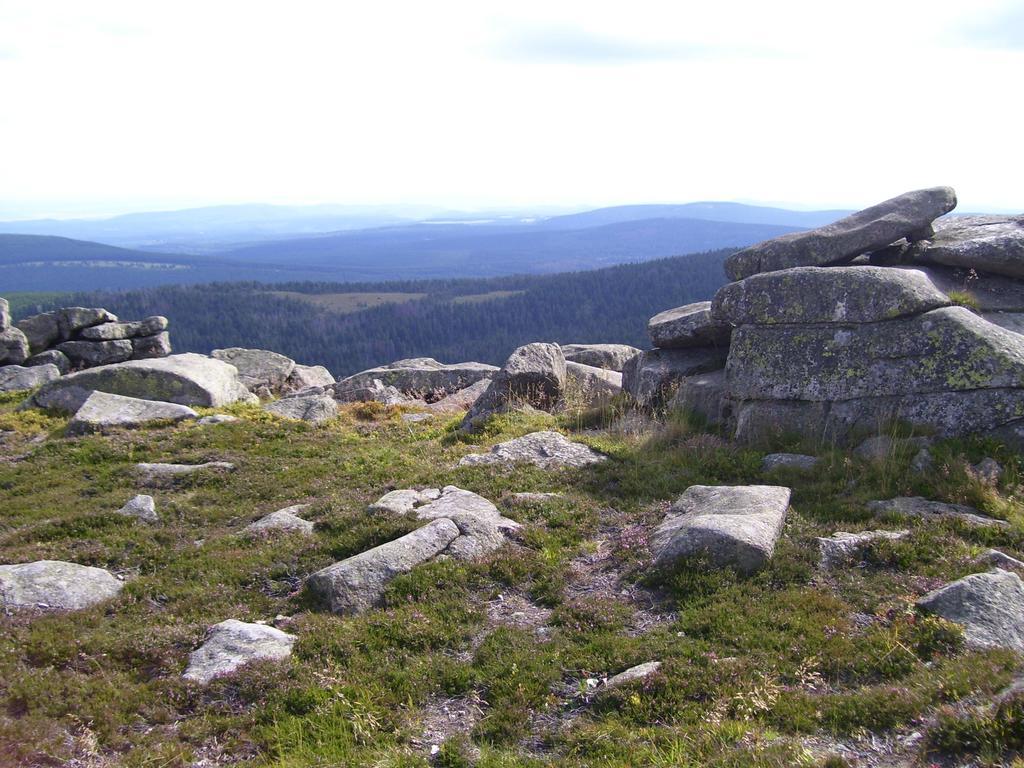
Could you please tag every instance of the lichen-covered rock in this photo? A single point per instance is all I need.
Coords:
(142, 508)
(124, 330)
(609, 356)
(989, 606)
(102, 412)
(590, 387)
(186, 379)
(534, 375)
(654, 377)
(54, 585)
(547, 450)
(918, 506)
(827, 295)
(87, 354)
(285, 520)
(841, 546)
(688, 326)
(992, 244)
(52, 357)
(944, 350)
(42, 331)
(357, 584)
(482, 527)
(147, 347)
(159, 475)
(233, 643)
(422, 378)
(733, 526)
(14, 378)
(257, 367)
(14, 349)
(313, 408)
(865, 231)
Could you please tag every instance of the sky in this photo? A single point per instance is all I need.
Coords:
(117, 105)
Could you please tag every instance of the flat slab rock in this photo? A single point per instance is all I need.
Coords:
(142, 508)
(233, 643)
(689, 326)
(989, 606)
(733, 526)
(54, 585)
(312, 408)
(404, 501)
(102, 412)
(159, 475)
(841, 546)
(358, 583)
(868, 230)
(482, 528)
(992, 244)
(548, 450)
(285, 520)
(918, 506)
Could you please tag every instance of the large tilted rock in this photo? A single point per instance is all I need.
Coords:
(909, 215)
(15, 377)
(55, 585)
(103, 411)
(827, 295)
(548, 450)
(986, 243)
(688, 326)
(14, 349)
(285, 520)
(735, 526)
(358, 583)
(534, 375)
(610, 356)
(159, 475)
(149, 326)
(374, 392)
(918, 506)
(653, 377)
(186, 379)
(233, 643)
(314, 408)
(463, 400)
(589, 386)
(989, 606)
(422, 378)
(257, 368)
(482, 527)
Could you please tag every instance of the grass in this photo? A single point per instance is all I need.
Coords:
(751, 665)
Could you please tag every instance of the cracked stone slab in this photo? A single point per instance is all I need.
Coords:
(231, 644)
(547, 450)
(482, 528)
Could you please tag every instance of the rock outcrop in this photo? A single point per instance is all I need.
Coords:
(689, 326)
(993, 244)
(54, 585)
(159, 475)
(482, 528)
(656, 376)
(841, 546)
(589, 387)
(233, 643)
(917, 506)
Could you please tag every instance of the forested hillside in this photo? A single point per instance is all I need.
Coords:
(606, 305)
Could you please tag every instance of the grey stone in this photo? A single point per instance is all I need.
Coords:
(142, 508)
(1011, 321)
(943, 350)
(735, 526)
(590, 387)
(161, 475)
(764, 421)
(14, 378)
(314, 408)
(534, 376)
(42, 331)
(880, 448)
(70, 320)
(14, 349)
(217, 418)
(989, 470)
(688, 326)
(150, 326)
(88, 354)
(285, 520)
(376, 391)
(918, 506)
(357, 584)
(827, 295)
(52, 357)
(634, 674)
(233, 643)
(704, 395)
(147, 347)
(989, 606)
(654, 377)
(987, 243)
(547, 450)
(922, 462)
(863, 232)
(528, 498)
(402, 502)
(841, 546)
(305, 376)
(103, 411)
(55, 585)
(421, 378)
(5, 315)
(609, 356)
(462, 400)
(993, 293)
(416, 418)
(790, 461)
(1001, 560)
(257, 367)
(482, 528)
(186, 379)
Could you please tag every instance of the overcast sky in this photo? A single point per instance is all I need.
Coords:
(107, 106)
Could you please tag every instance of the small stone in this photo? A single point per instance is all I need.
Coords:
(547, 450)
(285, 520)
(142, 508)
(527, 498)
(233, 643)
(841, 546)
(312, 408)
(402, 502)
(416, 418)
(633, 674)
(217, 418)
(1001, 560)
(922, 462)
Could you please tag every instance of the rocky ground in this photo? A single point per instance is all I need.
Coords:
(502, 651)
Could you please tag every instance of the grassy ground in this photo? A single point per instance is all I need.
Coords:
(488, 660)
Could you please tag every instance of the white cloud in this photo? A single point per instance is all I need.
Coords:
(131, 105)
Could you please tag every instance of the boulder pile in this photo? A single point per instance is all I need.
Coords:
(846, 330)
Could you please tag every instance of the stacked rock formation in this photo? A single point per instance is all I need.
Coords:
(826, 343)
